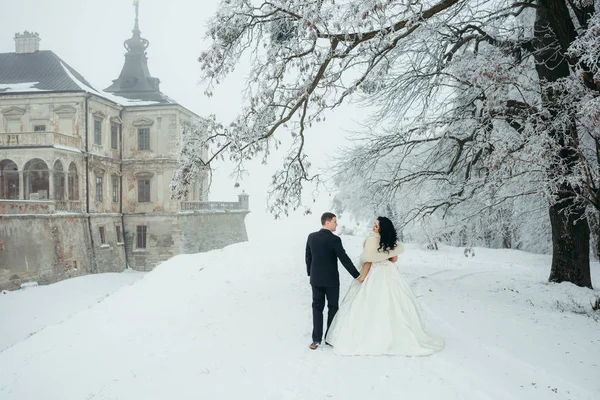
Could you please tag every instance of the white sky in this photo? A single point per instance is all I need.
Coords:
(89, 36)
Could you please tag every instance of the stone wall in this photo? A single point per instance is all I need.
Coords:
(52, 247)
(183, 233)
(204, 231)
(110, 255)
(162, 236)
(43, 248)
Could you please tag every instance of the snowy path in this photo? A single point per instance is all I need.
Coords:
(236, 324)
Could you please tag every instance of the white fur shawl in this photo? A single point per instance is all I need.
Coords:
(371, 254)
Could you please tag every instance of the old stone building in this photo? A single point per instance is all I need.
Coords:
(85, 173)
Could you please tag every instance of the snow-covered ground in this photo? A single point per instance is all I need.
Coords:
(25, 312)
(235, 324)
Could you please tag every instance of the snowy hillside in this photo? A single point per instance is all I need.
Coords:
(235, 324)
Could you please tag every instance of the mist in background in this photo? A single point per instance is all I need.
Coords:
(89, 36)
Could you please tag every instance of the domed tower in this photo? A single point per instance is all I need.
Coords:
(135, 81)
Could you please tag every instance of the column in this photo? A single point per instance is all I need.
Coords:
(66, 196)
(21, 186)
(51, 184)
(159, 188)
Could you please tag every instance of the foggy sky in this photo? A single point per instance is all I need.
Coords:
(89, 35)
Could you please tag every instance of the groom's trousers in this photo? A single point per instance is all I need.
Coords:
(318, 305)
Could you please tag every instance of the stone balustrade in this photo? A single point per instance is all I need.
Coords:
(26, 139)
(211, 206)
(34, 207)
(30, 207)
(68, 206)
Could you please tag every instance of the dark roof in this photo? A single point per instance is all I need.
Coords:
(45, 71)
(43, 67)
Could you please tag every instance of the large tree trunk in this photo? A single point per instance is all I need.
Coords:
(570, 243)
(554, 31)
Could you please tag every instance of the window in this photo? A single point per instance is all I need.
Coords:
(114, 137)
(141, 236)
(115, 188)
(143, 190)
(143, 138)
(97, 131)
(119, 237)
(102, 235)
(99, 189)
(39, 128)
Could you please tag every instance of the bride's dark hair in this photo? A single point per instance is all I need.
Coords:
(387, 234)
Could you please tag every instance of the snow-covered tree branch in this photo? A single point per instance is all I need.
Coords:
(475, 101)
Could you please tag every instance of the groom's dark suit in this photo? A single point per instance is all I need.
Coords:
(323, 249)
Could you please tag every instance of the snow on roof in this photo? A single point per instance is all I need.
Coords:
(20, 87)
(116, 99)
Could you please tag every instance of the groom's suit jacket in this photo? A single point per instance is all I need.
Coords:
(323, 249)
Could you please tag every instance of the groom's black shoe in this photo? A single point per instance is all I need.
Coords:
(314, 345)
(328, 344)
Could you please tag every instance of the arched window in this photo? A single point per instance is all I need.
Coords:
(9, 180)
(37, 179)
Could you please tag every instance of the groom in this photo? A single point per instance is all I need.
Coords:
(323, 249)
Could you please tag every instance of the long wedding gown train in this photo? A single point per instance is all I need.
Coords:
(381, 317)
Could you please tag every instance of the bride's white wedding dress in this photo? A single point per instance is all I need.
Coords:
(381, 316)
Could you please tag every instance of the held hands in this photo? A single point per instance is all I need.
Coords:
(365, 271)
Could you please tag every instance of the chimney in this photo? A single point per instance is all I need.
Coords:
(27, 42)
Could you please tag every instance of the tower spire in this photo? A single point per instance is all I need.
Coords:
(136, 4)
(136, 43)
(135, 81)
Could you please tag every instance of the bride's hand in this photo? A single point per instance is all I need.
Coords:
(361, 279)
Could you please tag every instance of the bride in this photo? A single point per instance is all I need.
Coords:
(380, 316)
